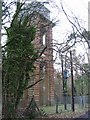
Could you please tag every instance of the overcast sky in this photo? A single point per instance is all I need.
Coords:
(80, 9)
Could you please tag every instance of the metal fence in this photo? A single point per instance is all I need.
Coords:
(81, 100)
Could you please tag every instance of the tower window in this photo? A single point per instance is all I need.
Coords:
(44, 39)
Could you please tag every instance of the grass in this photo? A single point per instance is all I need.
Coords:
(52, 109)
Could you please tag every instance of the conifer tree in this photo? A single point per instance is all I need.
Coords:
(18, 62)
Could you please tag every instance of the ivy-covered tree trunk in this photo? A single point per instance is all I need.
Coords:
(18, 62)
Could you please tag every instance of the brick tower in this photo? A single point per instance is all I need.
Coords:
(43, 91)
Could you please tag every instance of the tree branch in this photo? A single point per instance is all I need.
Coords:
(33, 84)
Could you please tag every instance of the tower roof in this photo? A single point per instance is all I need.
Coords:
(40, 8)
(35, 8)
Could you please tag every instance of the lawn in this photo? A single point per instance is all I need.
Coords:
(52, 109)
(62, 113)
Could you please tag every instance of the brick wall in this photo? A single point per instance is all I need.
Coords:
(44, 90)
